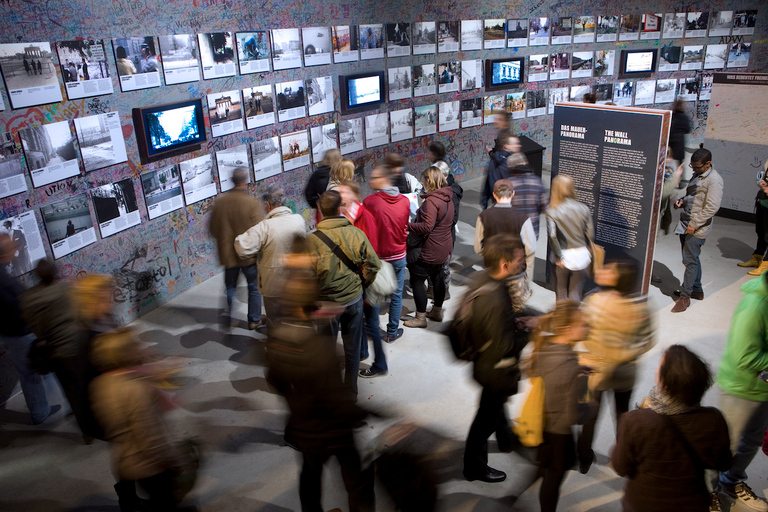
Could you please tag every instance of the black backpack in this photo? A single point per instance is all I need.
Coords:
(459, 330)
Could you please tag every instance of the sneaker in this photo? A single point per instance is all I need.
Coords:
(714, 502)
(743, 494)
(389, 338)
(256, 325)
(370, 373)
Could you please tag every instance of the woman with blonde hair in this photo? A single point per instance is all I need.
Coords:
(343, 170)
(570, 230)
(429, 245)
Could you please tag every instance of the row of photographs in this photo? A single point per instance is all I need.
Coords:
(30, 74)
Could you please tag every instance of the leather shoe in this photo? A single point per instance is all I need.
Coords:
(682, 304)
(697, 295)
(488, 474)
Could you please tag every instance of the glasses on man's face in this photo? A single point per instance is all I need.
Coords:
(697, 167)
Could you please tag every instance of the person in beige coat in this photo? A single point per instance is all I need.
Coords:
(233, 213)
(269, 241)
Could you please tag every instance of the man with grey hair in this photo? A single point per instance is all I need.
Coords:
(269, 241)
(234, 212)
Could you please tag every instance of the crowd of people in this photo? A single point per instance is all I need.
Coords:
(317, 286)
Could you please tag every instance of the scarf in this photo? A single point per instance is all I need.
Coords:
(661, 403)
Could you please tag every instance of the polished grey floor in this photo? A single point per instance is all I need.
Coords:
(226, 403)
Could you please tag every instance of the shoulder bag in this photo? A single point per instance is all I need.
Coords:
(415, 241)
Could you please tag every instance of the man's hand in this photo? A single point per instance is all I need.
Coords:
(679, 203)
(689, 230)
(763, 186)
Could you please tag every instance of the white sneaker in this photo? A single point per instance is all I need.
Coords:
(742, 493)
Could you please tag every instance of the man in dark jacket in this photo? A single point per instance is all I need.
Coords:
(318, 181)
(497, 168)
(496, 367)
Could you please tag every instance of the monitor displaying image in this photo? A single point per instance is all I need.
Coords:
(637, 62)
(504, 73)
(361, 91)
(170, 129)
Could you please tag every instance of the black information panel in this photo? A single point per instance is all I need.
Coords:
(615, 156)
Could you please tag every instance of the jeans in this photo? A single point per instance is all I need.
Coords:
(491, 417)
(747, 422)
(351, 322)
(31, 383)
(396, 302)
(691, 246)
(371, 312)
(251, 273)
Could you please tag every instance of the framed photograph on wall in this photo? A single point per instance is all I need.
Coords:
(584, 29)
(537, 102)
(24, 231)
(471, 112)
(323, 138)
(644, 92)
(286, 48)
(449, 116)
(494, 34)
(622, 93)
(738, 57)
(225, 113)
(517, 32)
(471, 35)
(398, 39)
(401, 124)
(697, 24)
(162, 191)
(557, 95)
(101, 140)
(217, 53)
(716, 56)
(320, 95)
(471, 74)
(559, 66)
(424, 80)
(179, 56)
(538, 67)
(197, 179)
(227, 160)
(448, 77)
(578, 92)
(259, 103)
(674, 25)
(253, 51)
(705, 86)
(267, 161)
(688, 89)
(651, 27)
(607, 28)
(376, 130)
(562, 30)
(84, 68)
(69, 225)
(50, 152)
(116, 207)
(346, 46)
(582, 64)
(317, 45)
(670, 57)
(372, 41)
(290, 100)
(399, 80)
(665, 91)
(744, 22)
(12, 180)
(603, 92)
(493, 105)
(539, 31)
(29, 74)
(604, 63)
(693, 58)
(630, 27)
(448, 36)
(424, 37)
(425, 120)
(295, 149)
(515, 104)
(720, 23)
(351, 135)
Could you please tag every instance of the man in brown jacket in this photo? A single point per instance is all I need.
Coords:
(234, 212)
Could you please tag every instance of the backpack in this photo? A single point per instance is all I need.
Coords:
(459, 330)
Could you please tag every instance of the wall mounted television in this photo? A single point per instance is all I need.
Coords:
(506, 73)
(637, 63)
(363, 91)
(170, 129)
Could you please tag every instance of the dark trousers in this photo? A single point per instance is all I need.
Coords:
(420, 272)
(691, 247)
(358, 482)
(251, 274)
(584, 444)
(556, 456)
(761, 224)
(75, 374)
(352, 324)
(491, 417)
(158, 487)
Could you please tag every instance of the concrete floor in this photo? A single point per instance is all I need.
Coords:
(226, 402)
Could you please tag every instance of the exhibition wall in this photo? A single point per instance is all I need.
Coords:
(156, 255)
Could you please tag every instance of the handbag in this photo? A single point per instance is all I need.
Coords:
(415, 241)
(529, 427)
(598, 256)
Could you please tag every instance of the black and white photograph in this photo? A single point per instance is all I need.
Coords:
(116, 207)
(197, 179)
(295, 149)
(225, 113)
(645, 90)
(584, 29)
(557, 95)
(69, 225)
(162, 191)
(705, 86)
(537, 102)
(372, 41)
(399, 80)
(11, 173)
(716, 56)
(323, 138)
(376, 130)
(471, 74)
(665, 91)
(650, 27)
(471, 112)
(515, 104)
(538, 67)
(50, 152)
(738, 57)
(744, 22)
(425, 120)
(720, 23)
(603, 92)
(259, 103)
(559, 66)
(688, 89)
(582, 64)
(217, 54)
(449, 116)
(101, 140)
(538, 31)
(424, 37)
(562, 30)
(607, 28)
(448, 36)
(622, 93)
(578, 92)
(693, 58)
(290, 100)
(696, 24)
(253, 52)
(517, 32)
(346, 45)
(320, 95)
(492, 105)
(494, 33)
(604, 60)
(29, 73)
(178, 53)
(401, 124)
(448, 77)
(286, 48)
(674, 25)
(227, 160)
(471, 35)
(424, 80)
(630, 27)
(137, 64)
(317, 45)
(670, 57)
(267, 161)
(351, 135)
(25, 233)
(398, 39)
(84, 68)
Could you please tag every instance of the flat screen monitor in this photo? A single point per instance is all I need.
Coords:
(170, 129)
(504, 73)
(362, 92)
(637, 63)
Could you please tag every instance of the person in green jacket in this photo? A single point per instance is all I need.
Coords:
(743, 396)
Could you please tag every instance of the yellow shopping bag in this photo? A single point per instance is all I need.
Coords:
(529, 426)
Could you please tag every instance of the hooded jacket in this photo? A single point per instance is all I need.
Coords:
(391, 212)
(317, 184)
(439, 243)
